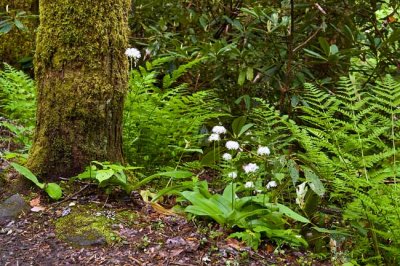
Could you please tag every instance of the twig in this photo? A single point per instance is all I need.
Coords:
(71, 196)
(307, 41)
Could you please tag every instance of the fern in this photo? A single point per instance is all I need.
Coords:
(17, 96)
(160, 124)
(350, 137)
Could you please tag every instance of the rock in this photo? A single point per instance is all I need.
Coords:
(83, 229)
(86, 238)
(12, 207)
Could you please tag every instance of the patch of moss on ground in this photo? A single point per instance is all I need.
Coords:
(84, 228)
(126, 217)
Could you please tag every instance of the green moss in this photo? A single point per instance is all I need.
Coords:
(82, 75)
(83, 228)
(126, 217)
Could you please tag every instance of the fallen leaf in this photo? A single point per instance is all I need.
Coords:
(269, 248)
(234, 243)
(35, 202)
(176, 252)
(160, 209)
(38, 209)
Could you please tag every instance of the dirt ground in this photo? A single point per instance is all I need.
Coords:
(148, 237)
(144, 235)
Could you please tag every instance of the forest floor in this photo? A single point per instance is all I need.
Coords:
(148, 237)
(135, 232)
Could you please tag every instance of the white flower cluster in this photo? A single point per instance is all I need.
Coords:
(216, 131)
(219, 130)
(263, 151)
(232, 175)
(133, 53)
(227, 157)
(250, 168)
(249, 184)
(214, 137)
(232, 145)
(271, 184)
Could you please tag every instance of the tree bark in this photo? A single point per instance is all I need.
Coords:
(81, 72)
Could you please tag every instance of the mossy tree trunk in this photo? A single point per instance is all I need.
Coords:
(81, 72)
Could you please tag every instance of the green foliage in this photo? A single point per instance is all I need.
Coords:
(163, 124)
(269, 49)
(16, 134)
(11, 19)
(17, 96)
(109, 175)
(52, 189)
(350, 139)
(254, 214)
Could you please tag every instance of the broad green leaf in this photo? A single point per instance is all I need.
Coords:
(314, 182)
(246, 99)
(171, 174)
(288, 212)
(19, 25)
(328, 231)
(250, 73)
(293, 171)
(244, 129)
(53, 190)
(237, 124)
(324, 45)
(6, 28)
(103, 175)
(229, 192)
(333, 49)
(176, 174)
(28, 174)
(314, 54)
(242, 77)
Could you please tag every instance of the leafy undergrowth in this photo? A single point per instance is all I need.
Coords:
(142, 234)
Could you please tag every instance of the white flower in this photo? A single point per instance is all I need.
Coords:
(214, 137)
(219, 130)
(232, 175)
(227, 157)
(263, 151)
(271, 184)
(232, 145)
(249, 184)
(133, 53)
(250, 168)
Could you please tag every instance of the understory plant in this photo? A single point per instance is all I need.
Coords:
(249, 203)
(252, 214)
(17, 96)
(349, 137)
(163, 120)
(52, 189)
(17, 107)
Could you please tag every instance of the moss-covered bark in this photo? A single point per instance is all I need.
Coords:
(82, 73)
(18, 44)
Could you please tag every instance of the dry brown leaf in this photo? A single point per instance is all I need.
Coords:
(35, 202)
(234, 243)
(160, 209)
(269, 248)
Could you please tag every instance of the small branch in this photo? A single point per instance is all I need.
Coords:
(307, 41)
(71, 196)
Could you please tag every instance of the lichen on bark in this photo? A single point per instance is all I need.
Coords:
(82, 73)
